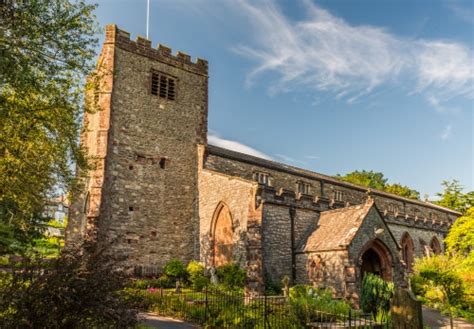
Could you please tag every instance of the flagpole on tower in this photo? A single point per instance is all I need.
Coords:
(147, 16)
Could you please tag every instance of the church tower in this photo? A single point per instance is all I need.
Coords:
(142, 193)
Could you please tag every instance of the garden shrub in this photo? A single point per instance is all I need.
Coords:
(175, 270)
(162, 282)
(375, 295)
(272, 288)
(308, 302)
(231, 276)
(439, 283)
(197, 276)
(80, 289)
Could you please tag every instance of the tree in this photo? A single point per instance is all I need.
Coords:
(452, 197)
(439, 282)
(370, 179)
(402, 190)
(460, 238)
(46, 49)
(376, 180)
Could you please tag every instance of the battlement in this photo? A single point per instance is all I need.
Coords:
(142, 46)
(287, 197)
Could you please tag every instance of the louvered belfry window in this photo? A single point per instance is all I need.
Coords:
(163, 86)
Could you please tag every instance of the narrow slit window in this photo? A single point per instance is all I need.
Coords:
(163, 163)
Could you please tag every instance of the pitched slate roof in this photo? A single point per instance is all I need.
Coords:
(336, 228)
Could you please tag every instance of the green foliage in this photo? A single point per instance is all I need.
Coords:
(175, 270)
(460, 239)
(272, 288)
(375, 295)
(376, 180)
(308, 303)
(438, 281)
(161, 282)
(402, 190)
(47, 48)
(453, 197)
(80, 289)
(231, 276)
(370, 179)
(223, 309)
(197, 276)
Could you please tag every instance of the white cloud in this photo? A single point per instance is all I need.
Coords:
(446, 132)
(214, 139)
(326, 53)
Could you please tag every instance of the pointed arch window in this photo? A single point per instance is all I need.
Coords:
(435, 246)
(407, 251)
(222, 233)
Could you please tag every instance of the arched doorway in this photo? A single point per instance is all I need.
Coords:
(435, 246)
(222, 235)
(375, 258)
(407, 251)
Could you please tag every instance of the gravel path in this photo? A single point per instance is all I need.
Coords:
(434, 319)
(161, 322)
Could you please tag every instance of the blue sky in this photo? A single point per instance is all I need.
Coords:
(332, 86)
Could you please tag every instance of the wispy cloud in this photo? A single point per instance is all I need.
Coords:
(446, 134)
(290, 160)
(215, 139)
(325, 53)
(462, 11)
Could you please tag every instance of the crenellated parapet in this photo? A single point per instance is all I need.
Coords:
(162, 53)
(291, 198)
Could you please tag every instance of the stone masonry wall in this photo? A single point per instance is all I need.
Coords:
(237, 195)
(277, 230)
(367, 233)
(323, 270)
(417, 235)
(149, 205)
(413, 213)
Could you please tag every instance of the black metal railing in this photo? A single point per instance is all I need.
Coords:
(215, 308)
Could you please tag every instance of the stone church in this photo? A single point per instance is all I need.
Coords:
(160, 192)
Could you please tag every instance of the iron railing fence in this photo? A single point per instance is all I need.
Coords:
(215, 308)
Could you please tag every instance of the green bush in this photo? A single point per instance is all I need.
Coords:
(439, 282)
(308, 303)
(375, 295)
(175, 270)
(231, 276)
(197, 276)
(162, 282)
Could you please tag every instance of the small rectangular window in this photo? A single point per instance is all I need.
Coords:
(338, 196)
(393, 208)
(303, 188)
(262, 178)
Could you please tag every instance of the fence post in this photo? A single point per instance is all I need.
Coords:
(205, 308)
(264, 310)
(350, 318)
